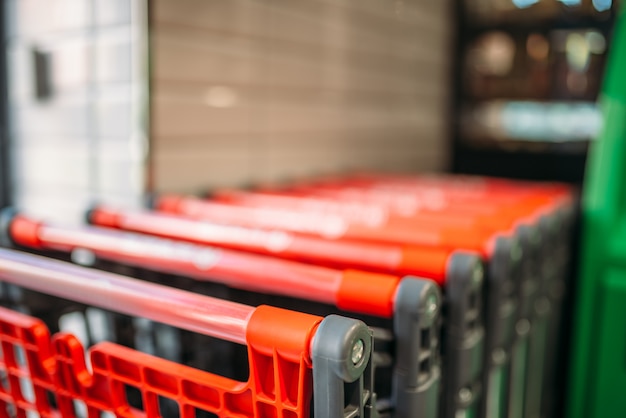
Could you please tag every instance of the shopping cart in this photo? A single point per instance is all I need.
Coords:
(540, 214)
(292, 356)
(543, 215)
(404, 208)
(503, 283)
(406, 312)
(459, 273)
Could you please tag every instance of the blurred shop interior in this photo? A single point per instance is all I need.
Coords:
(109, 99)
(118, 101)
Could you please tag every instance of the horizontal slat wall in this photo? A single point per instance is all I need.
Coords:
(86, 142)
(261, 90)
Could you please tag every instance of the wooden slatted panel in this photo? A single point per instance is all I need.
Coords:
(261, 90)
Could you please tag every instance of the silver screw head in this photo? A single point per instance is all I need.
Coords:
(498, 356)
(431, 304)
(516, 252)
(478, 274)
(83, 256)
(358, 349)
(465, 395)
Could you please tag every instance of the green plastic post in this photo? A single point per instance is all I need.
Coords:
(598, 365)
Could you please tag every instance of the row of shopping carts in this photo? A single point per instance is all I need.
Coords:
(367, 295)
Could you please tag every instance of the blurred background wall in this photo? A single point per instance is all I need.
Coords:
(77, 94)
(222, 93)
(109, 99)
(255, 90)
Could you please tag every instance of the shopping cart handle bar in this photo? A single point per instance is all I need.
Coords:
(202, 314)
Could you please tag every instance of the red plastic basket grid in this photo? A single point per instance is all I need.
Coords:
(280, 386)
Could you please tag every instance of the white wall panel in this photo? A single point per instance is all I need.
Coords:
(86, 140)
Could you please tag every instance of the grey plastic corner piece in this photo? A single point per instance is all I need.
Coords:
(465, 333)
(342, 372)
(417, 370)
(501, 304)
(530, 238)
(559, 224)
(6, 217)
(500, 317)
(549, 223)
(568, 214)
(8, 292)
(550, 227)
(465, 276)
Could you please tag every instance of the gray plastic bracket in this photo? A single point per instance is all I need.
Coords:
(500, 314)
(417, 370)
(557, 227)
(342, 372)
(549, 226)
(501, 305)
(546, 258)
(9, 293)
(530, 239)
(6, 217)
(465, 333)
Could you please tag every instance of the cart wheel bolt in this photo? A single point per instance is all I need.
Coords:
(498, 356)
(431, 304)
(478, 274)
(358, 349)
(465, 395)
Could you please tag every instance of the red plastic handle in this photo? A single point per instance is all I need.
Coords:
(465, 208)
(409, 194)
(237, 269)
(426, 235)
(235, 233)
(423, 261)
(415, 208)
